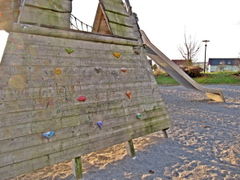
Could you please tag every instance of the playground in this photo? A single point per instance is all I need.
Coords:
(203, 143)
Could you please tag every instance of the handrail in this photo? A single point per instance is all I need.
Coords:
(77, 24)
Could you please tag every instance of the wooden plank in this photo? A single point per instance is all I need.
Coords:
(64, 155)
(76, 35)
(63, 97)
(47, 93)
(114, 6)
(50, 18)
(58, 146)
(71, 121)
(27, 40)
(123, 31)
(110, 122)
(23, 167)
(119, 19)
(56, 5)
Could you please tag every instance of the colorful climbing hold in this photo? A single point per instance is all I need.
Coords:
(48, 134)
(124, 70)
(58, 71)
(129, 94)
(98, 69)
(69, 50)
(117, 54)
(82, 98)
(139, 116)
(100, 124)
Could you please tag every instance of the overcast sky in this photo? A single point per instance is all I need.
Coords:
(165, 22)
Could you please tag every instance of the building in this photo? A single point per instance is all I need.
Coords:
(224, 64)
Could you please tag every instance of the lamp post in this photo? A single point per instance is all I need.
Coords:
(205, 55)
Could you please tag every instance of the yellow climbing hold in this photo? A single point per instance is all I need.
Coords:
(58, 71)
(117, 54)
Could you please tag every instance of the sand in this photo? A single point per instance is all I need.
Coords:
(203, 143)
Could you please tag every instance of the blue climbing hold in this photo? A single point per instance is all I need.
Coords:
(48, 134)
(100, 124)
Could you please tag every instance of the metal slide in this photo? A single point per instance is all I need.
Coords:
(177, 73)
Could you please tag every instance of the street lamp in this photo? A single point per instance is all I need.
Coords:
(205, 55)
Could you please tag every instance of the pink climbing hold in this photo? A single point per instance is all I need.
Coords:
(82, 98)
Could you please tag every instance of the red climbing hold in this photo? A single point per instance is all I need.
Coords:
(124, 70)
(82, 98)
(129, 94)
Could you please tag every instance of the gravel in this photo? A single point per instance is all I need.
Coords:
(203, 143)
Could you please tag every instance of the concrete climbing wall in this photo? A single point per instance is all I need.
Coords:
(90, 94)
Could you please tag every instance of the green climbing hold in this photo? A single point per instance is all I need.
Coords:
(139, 116)
(69, 50)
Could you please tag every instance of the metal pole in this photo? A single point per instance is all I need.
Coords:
(205, 55)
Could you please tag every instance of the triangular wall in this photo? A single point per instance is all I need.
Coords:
(113, 17)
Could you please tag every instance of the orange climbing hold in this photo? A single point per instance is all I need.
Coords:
(117, 54)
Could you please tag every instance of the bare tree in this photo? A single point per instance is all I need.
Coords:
(190, 49)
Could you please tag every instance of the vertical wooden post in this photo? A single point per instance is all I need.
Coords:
(77, 168)
(130, 148)
(165, 133)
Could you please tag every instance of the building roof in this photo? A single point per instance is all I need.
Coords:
(180, 62)
(224, 61)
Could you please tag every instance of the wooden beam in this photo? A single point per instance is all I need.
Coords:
(77, 168)
(130, 148)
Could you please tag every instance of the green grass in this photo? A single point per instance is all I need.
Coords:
(208, 78)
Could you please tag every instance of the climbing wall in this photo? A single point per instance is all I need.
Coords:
(61, 98)
(64, 94)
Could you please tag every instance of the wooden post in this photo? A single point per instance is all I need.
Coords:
(77, 168)
(165, 133)
(130, 148)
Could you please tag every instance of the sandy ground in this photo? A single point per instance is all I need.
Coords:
(203, 144)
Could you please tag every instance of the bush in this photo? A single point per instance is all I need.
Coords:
(193, 71)
(158, 71)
